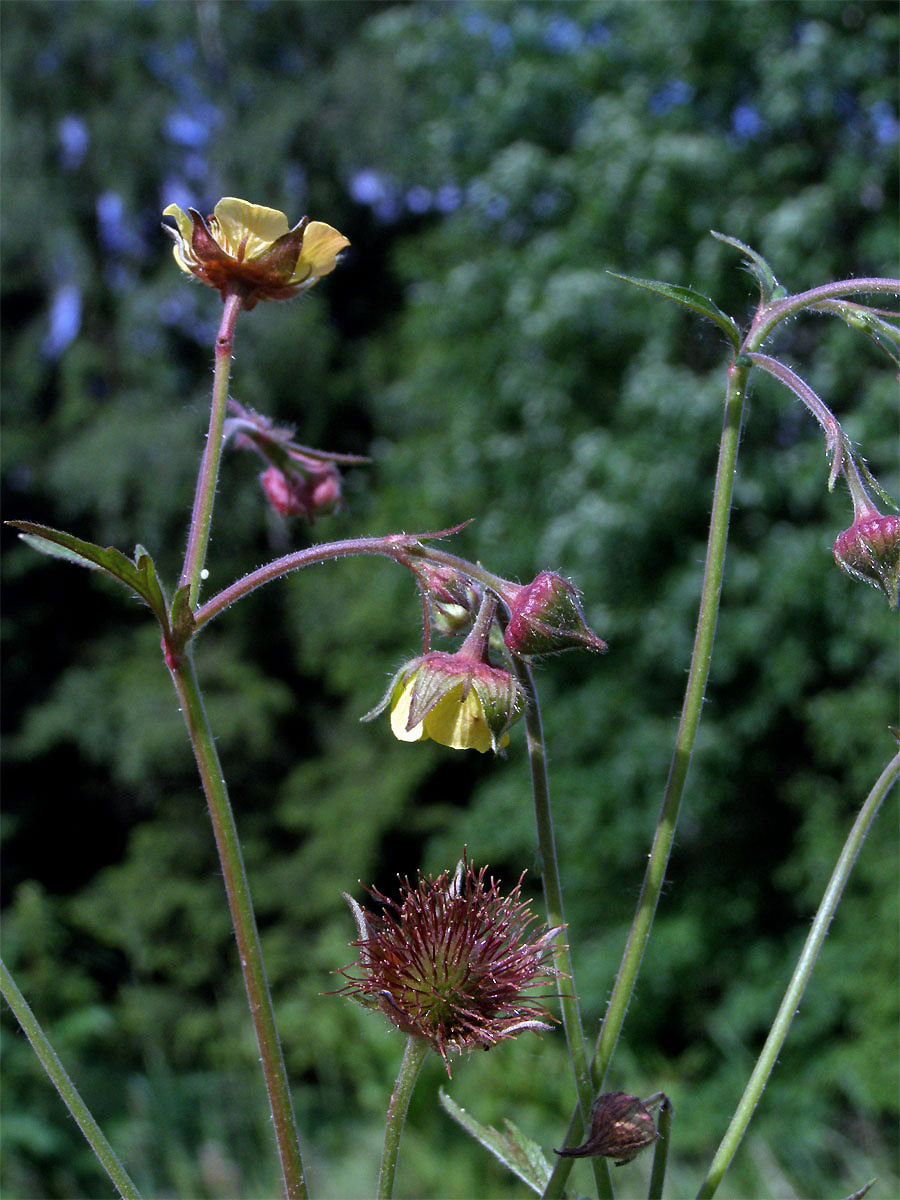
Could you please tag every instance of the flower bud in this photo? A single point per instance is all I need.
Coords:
(456, 700)
(545, 617)
(621, 1127)
(293, 494)
(453, 600)
(870, 550)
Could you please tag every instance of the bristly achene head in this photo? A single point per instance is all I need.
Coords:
(450, 961)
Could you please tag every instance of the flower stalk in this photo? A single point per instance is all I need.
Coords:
(239, 902)
(413, 1057)
(201, 517)
(568, 999)
(800, 978)
(69, 1094)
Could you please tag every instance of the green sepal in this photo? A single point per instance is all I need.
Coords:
(863, 467)
(513, 1148)
(690, 299)
(139, 575)
(769, 287)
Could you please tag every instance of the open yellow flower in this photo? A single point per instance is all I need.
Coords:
(251, 249)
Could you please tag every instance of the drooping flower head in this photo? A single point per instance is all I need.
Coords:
(250, 248)
(451, 961)
(459, 700)
(870, 550)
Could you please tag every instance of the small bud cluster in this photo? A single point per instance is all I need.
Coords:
(298, 481)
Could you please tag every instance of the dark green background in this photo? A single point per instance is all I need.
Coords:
(490, 163)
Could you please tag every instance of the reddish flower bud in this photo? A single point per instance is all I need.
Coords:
(545, 617)
(870, 550)
(453, 600)
(621, 1127)
(292, 494)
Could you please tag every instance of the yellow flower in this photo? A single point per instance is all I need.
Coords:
(457, 720)
(249, 248)
(453, 699)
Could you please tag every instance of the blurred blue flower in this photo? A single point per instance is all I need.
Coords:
(671, 95)
(74, 140)
(64, 320)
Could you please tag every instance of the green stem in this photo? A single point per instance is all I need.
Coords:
(661, 1153)
(566, 990)
(394, 546)
(698, 675)
(250, 952)
(413, 1057)
(799, 980)
(201, 517)
(688, 726)
(773, 314)
(66, 1088)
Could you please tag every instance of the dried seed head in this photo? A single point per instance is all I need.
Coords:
(621, 1127)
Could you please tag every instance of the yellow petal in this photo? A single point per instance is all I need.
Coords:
(400, 715)
(182, 220)
(457, 723)
(321, 243)
(238, 219)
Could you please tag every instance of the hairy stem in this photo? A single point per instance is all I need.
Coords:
(773, 314)
(661, 1153)
(792, 997)
(68, 1092)
(698, 675)
(204, 498)
(688, 725)
(394, 546)
(568, 998)
(250, 952)
(413, 1057)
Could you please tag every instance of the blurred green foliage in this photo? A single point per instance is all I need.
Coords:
(490, 162)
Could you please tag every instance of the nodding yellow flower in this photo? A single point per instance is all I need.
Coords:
(250, 249)
(453, 699)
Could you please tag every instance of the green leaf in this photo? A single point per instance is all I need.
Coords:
(139, 575)
(769, 287)
(513, 1148)
(690, 299)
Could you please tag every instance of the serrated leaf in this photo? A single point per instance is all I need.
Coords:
(518, 1152)
(139, 576)
(690, 299)
(758, 267)
(43, 546)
